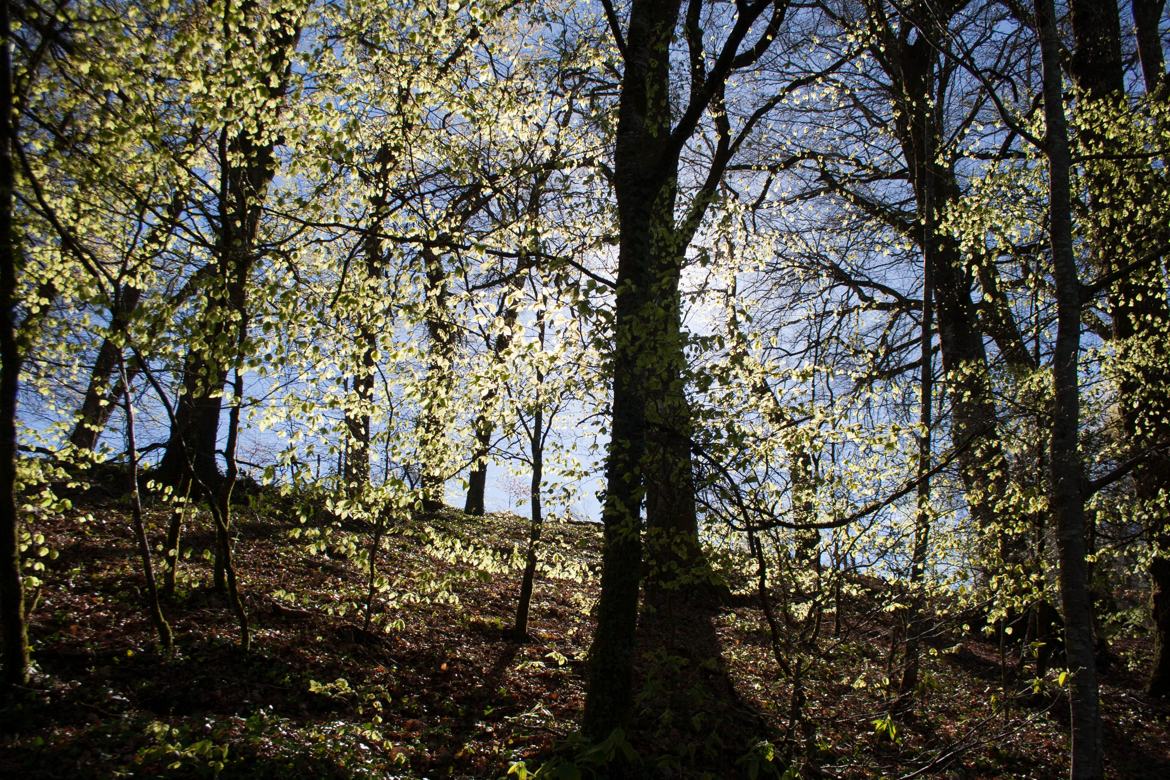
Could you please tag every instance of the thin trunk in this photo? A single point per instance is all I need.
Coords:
(222, 512)
(12, 617)
(916, 624)
(913, 66)
(435, 411)
(484, 425)
(174, 540)
(356, 474)
(247, 165)
(372, 574)
(536, 525)
(165, 637)
(1065, 468)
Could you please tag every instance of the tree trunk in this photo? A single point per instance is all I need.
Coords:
(222, 514)
(1147, 15)
(101, 395)
(435, 405)
(912, 68)
(153, 608)
(356, 474)
(484, 425)
(915, 622)
(536, 524)
(12, 618)
(677, 568)
(247, 165)
(1137, 301)
(645, 188)
(1065, 468)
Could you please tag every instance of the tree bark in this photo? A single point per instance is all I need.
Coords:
(153, 608)
(536, 521)
(1066, 473)
(645, 188)
(435, 406)
(247, 164)
(1147, 15)
(12, 617)
(103, 393)
(1137, 302)
(650, 437)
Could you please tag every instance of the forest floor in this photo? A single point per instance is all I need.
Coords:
(437, 687)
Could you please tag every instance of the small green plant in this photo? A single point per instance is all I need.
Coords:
(760, 761)
(171, 747)
(885, 727)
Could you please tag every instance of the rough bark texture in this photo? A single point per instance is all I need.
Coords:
(650, 445)
(12, 618)
(1067, 499)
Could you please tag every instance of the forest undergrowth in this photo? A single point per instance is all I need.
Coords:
(434, 685)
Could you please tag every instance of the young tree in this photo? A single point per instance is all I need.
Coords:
(1067, 499)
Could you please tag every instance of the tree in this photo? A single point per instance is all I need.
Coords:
(259, 44)
(12, 618)
(1123, 230)
(1067, 501)
(649, 451)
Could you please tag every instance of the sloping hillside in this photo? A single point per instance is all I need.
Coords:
(436, 686)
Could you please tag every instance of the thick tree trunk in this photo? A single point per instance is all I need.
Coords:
(12, 618)
(645, 188)
(1137, 302)
(677, 570)
(1067, 500)
(1147, 15)
(477, 478)
(103, 392)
